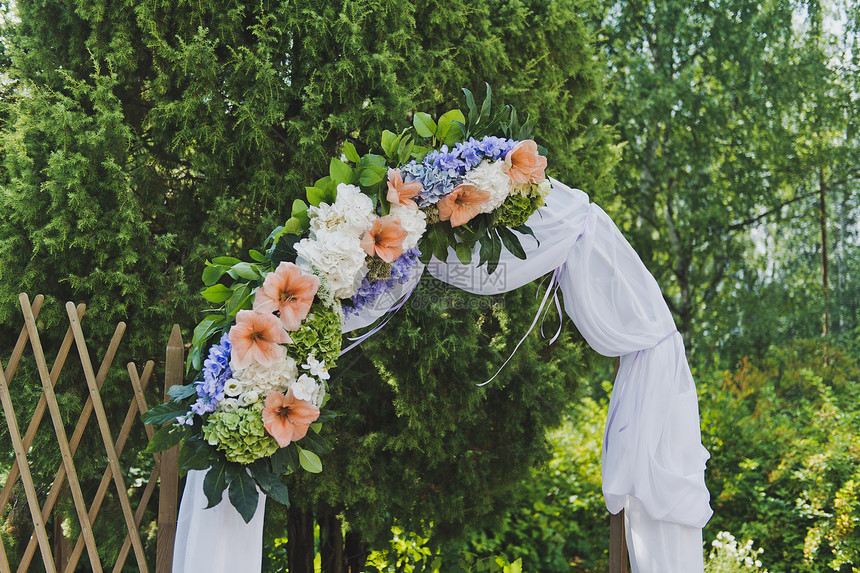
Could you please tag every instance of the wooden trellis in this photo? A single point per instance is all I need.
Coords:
(165, 463)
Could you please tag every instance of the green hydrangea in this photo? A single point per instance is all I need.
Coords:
(240, 434)
(319, 334)
(516, 210)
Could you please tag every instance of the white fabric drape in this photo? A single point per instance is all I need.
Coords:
(216, 540)
(653, 461)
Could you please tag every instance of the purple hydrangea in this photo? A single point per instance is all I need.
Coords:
(401, 271)
(440, 170)
(216, 371)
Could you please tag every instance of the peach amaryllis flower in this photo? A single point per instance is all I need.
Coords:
(385, 238)
(462, 204)
(525, 163)
(287, 418)
(400, 192)
(289, 292)
(254, 338)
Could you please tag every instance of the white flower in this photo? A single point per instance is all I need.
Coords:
(304, 388)
(232, 387)
(351, 213)
(228, 404)
(414, 221)
(248, 384)
(338, 256)
(317, 368)
(490, 176)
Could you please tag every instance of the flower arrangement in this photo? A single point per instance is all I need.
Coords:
(255, 409)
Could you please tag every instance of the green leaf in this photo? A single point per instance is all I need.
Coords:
(424, 124)
(526, 230)
(225, 261)
(464, 253)
(438, 242)
(370, 176)
(310, 461)
(243, 495)
(194, 455)
(293, 225)
(473, 109)
(488, 102)
(178, 392)
(278, 491)
(257, 256)
(405, 152)
(495, 252)
(339, 171)
(511, 242)
(315, 195)
(448, 132)
(212, 273)
(327, 416)
(162, 413)
(215, 483)
(217, 293)
(314, 442)
(350, 152)
(388, 142)
(166, 437)
(284, 249)
(239, 300)
(247, 271)
(204, 330)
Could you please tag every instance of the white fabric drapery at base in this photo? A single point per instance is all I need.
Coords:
(653, 461)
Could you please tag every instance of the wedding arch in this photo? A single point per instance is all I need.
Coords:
(465, 198)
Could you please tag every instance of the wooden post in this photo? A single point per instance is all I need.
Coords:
(168, 496)
(617, 544)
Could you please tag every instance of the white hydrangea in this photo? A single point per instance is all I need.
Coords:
(338, 256)
(352, 212)
(248, 385)
(414, 221)
(541, 190)
(490, 176)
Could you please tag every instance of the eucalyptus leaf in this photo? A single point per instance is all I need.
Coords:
(257, 256)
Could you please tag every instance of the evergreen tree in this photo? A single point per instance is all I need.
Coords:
(141, 138)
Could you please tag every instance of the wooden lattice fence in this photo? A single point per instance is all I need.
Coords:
(58, 557)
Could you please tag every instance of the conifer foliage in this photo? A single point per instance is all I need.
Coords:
(140, 138)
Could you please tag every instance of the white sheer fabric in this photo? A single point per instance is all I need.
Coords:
(653, 460)
(215, 540)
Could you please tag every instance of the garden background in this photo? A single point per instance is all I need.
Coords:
(140, 138)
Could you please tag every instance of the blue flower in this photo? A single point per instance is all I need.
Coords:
(216, 371)
(401, 272)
